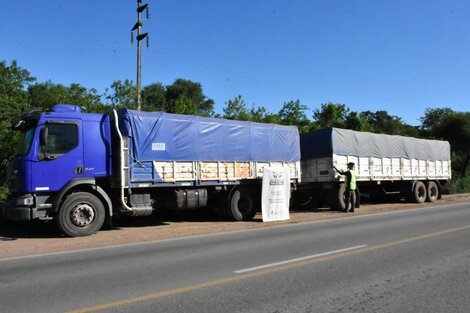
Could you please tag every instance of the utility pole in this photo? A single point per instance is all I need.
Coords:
(140, 36)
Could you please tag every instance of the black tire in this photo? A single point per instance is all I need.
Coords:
(419, 192)
(432, 192)
(81, 214)
(242, 205)
(336, 198)
(305, 201)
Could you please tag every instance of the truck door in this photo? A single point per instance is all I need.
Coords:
(59, 155)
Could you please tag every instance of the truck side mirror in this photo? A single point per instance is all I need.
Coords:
(43, 136)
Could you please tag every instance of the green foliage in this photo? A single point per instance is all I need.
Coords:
(356, 121)
(332, 115)
(183, 97)
(14, 100)
(293, 113)
(459, 184)
(445, 124)
(382, 122)
(261, 115)
(433, 119)
(13, 97)
(235, 109)
(192, 92)
(154, 98)
(183, 105)
(123, 94)
(46, 94)
(455, 127)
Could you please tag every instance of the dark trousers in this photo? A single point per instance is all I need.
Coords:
(350, 198)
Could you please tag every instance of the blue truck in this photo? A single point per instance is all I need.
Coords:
(84, 169)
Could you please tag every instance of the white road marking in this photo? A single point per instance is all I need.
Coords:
(251, 269)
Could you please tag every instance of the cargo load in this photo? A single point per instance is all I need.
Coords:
(165, 147)
(384, 164)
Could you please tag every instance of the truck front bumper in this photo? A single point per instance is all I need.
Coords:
(23, 208)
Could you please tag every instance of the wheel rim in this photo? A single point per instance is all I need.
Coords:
(433, 192)
(82, 215)
(421, 192)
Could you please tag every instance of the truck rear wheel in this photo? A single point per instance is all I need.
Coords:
(419, 192)
(81, 214)
(242, 205)
(336, 198)
(432, 192)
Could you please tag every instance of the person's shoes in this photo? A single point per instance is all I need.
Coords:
(352, 211)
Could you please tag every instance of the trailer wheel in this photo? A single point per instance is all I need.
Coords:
(432, 192)
(305, 201)
(336, 198)
(242, 205)
(419, 192)
(81, 214)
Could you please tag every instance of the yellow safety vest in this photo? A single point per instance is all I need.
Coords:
(353, 180)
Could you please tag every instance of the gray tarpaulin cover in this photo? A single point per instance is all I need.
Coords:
(177, 137)
(329, 141)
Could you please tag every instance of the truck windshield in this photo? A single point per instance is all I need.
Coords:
(24, 142)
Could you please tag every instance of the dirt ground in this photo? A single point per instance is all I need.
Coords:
(20, 239)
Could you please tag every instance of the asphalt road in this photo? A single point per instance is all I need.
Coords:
(407, 261)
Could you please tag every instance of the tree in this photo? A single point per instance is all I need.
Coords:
(432, 120)
(46, 94)
(261, 115)
(123, 94)
(191, 91)
(357, 122)
(183, 105)
(13, 82)
(14, 101)
(455, 127)
(384, 123)
(235, 109)
(331, 115)
(154, 98)
(293, 113)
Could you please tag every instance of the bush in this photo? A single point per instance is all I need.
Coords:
(459, 184)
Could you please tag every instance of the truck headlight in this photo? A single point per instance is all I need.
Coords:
(25, 200)
(28, 201)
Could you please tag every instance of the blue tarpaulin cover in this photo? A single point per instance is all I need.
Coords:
(328, 141)
(177, 137)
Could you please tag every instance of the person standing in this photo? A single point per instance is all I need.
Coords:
(350, 183)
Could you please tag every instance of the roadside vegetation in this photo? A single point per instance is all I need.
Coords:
(21, 92)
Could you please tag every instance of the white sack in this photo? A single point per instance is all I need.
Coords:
(275, 194)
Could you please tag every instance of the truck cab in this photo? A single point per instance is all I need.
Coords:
(52, 156)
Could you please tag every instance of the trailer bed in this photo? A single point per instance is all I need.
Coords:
(377, 157)
(164, 149)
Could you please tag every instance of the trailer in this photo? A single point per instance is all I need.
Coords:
(84, 169)
(385, 165)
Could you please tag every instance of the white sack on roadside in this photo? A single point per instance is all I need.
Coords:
(275, 194)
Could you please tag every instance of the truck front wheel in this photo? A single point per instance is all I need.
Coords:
(81, 214)
(242, 205)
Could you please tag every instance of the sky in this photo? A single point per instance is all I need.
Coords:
(400, 56)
